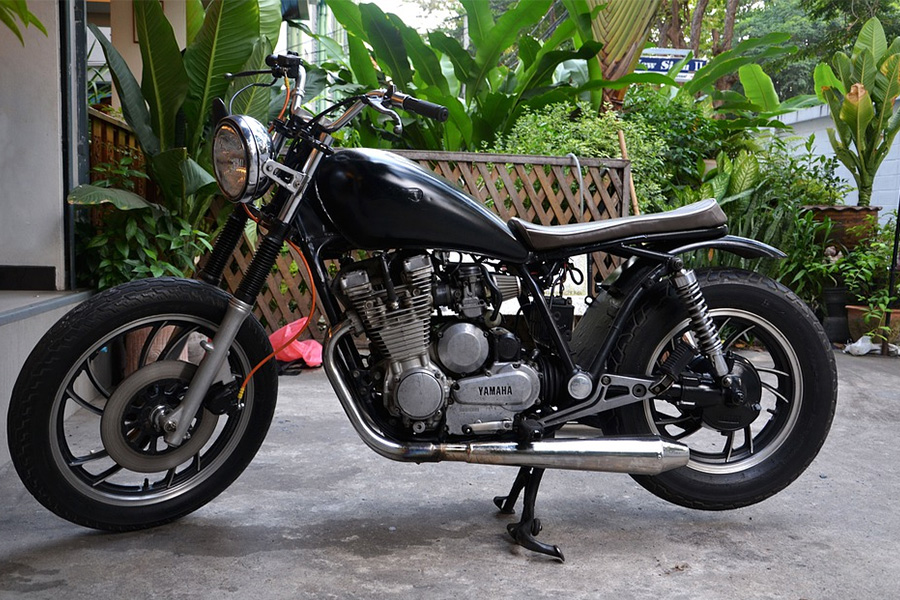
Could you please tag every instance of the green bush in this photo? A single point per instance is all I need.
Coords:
(685, 128)
(558, 129)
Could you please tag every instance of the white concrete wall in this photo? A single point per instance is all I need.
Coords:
(885, 192)
(19, 338)
(31, 170)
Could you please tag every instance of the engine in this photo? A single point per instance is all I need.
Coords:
(462, 373)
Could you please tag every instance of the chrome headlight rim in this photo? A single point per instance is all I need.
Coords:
(257, 148)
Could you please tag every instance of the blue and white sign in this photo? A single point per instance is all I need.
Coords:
(660, 60)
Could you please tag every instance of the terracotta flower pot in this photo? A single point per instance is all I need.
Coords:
(858, 324)
(845, 219)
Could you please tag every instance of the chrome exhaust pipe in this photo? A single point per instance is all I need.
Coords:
(638, 456)
(644, 455)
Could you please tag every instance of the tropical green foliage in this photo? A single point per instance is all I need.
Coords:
(860, 90)
(484, 94)
(560, 129)
(17, 10)
(866, 270)
(763, 193)
(622, 27)
(136, 238)
(687, 130)
(812, 259)
(169, 111)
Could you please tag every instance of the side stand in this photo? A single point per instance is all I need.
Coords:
(524, 532)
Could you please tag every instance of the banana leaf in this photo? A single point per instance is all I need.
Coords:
(222, 45)
(92, 195)
(759, 88)
(164, 82)
(133, 106)
(387, 42)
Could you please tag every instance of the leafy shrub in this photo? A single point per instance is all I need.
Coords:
(129, 238)
(762, 194)
(558, 129)
(685, 128)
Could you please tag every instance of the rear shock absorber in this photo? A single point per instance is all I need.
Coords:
(688, 289)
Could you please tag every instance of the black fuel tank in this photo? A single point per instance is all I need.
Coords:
(379, 200)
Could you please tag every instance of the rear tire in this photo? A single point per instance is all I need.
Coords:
(780, 342)
(145, 331)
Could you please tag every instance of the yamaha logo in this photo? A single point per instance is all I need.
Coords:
(495, 390)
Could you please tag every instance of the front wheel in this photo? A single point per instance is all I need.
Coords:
(740, 455)
(83, 417)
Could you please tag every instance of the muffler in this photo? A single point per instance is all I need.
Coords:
(643, 455)
(638, 456)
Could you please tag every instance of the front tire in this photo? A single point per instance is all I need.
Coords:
(781, 346)
(87, 394)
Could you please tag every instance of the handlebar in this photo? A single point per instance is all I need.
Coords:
(427, 109)
(384, 101)
(290, 65)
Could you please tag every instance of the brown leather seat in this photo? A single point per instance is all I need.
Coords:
(705, 214)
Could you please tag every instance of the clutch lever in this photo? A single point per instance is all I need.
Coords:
(398, 124)
(380, 107)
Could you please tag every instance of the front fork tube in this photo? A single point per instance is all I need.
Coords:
(176, 423)
(688, 289)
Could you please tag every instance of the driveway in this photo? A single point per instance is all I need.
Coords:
(318, 515)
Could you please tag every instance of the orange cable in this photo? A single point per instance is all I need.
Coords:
(287, 100)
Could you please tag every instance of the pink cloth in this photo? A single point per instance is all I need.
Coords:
(310, 351)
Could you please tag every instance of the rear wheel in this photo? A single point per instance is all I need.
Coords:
(740, 454)
(83, 418)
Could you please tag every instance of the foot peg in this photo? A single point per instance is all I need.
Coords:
(528, 527)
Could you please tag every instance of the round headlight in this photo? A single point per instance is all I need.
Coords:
(241, 146)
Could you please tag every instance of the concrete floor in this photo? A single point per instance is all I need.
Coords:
(317, 515)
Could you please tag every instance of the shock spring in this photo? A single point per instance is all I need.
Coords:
(688, 289)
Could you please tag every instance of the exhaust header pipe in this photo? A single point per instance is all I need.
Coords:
(638, 456)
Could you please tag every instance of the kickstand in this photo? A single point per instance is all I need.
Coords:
(524, 531)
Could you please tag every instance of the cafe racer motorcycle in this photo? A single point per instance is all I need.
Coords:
(713, 388)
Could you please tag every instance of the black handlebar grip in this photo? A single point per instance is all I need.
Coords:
(426, 109)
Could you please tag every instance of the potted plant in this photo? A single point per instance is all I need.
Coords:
(821, 192)
(860, 91)
(866, 272)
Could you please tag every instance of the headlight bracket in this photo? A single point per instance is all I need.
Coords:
(284, 176)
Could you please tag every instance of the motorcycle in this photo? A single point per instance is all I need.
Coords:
(714, 388)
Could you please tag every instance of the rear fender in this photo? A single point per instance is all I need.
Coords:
(743, 247)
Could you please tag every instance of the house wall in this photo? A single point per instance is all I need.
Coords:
(817, 120)
(31, 170)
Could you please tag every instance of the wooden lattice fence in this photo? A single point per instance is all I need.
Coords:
(540, 189)
(111, 141)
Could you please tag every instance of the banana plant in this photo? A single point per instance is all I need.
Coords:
(169, 111)
(483, 95)
(861, 90)
(12, 10)
(759, 106)
(622, 26)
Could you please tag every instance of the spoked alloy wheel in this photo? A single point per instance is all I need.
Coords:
(727, 443)
(741, 453)
(84, 424)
